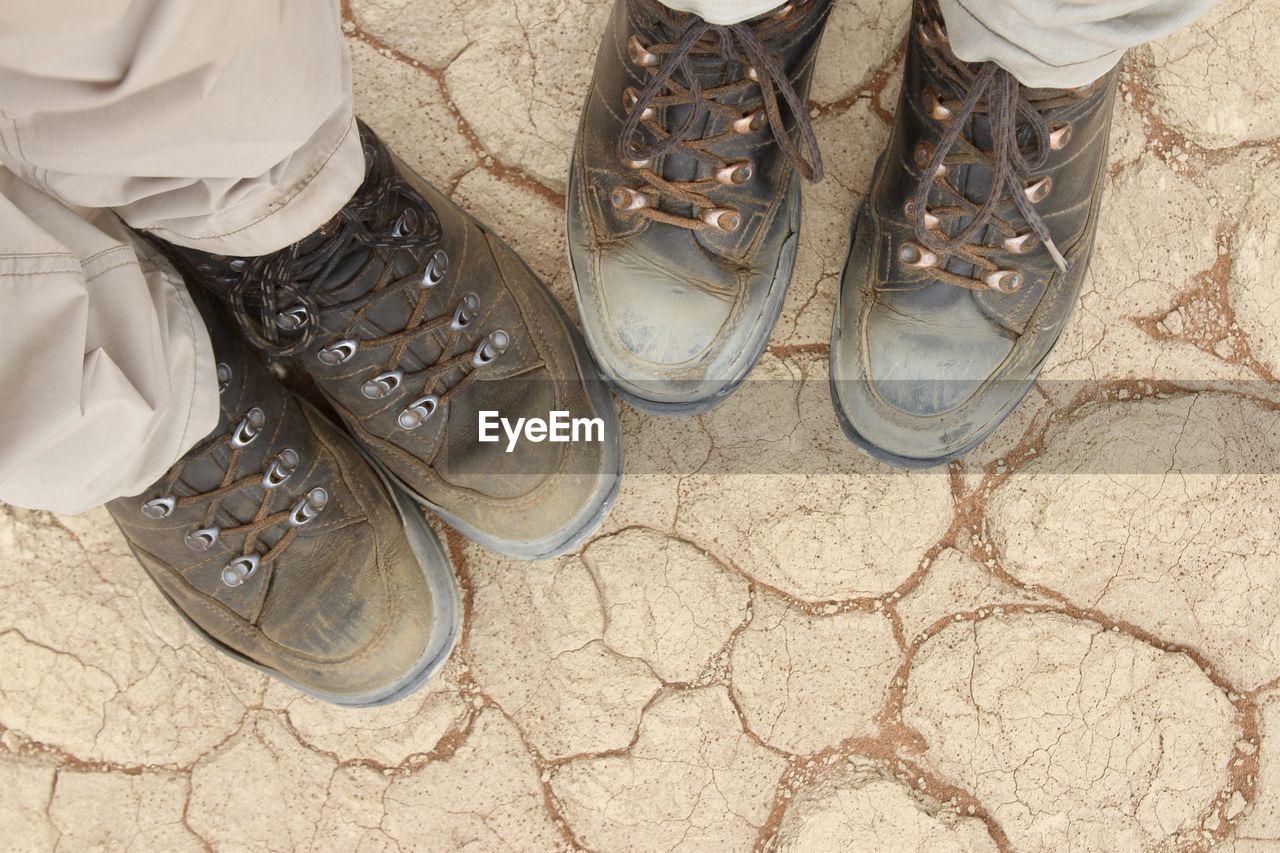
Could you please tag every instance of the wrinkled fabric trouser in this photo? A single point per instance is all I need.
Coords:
(227, 126)
(1056, 44)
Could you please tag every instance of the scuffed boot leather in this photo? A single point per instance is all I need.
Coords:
(684, 196)
(968, 253)
(283, 547)
(412, 318)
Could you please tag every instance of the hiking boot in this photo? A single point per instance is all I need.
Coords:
(684, 196)
(413, 319)
(280, 544)
(967, 254)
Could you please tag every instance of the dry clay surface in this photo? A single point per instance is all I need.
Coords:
(1069, 641)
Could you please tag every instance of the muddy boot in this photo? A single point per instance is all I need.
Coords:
(414, 321)
(282, 545)
(684, 196)
(968, 253)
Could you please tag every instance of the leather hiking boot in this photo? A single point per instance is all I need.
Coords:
(413, 320)
(684, 196)
(283, 547)
(968, 253)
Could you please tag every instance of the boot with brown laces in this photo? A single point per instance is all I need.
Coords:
(414, 321)
(282, 546)
(968, 253)
(684, 196)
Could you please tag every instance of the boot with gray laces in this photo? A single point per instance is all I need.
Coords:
(283, 547)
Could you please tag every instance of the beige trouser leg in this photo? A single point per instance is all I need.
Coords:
(1057, 44)
(226, 126)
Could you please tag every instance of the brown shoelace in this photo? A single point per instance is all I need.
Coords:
(671, 66)
(1009, 107)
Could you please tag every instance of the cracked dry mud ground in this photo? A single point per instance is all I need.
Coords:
(1069, 641)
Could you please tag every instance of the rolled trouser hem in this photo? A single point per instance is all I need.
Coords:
(330, 177)
(724, 12)
(1060, 45)
(973, 41)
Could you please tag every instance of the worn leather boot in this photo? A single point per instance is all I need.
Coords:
(968, 253)
(684, 196)
(282, 546)
(413, 319)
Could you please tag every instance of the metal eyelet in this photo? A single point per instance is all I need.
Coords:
(293, 318)
(437, 266)
(308, 507)
(1039, 190)
(930, 221)
(224, 377)
(922, 154)
(934, 107)
(735, 173)
(280, 469)
(1060, 137)
(240, 570)
(491, 348)
(624, 198)
(202, 539)
(750, 123)
(468, 309)
(638, 164)
(237, 264)
(915, 255)
(418, 411)
(1021, 244)
(629, 101)
(158, 508)
(338, 353)
(249, 428)
(1004, 281)
(382, 385)
(406, 224)
(640, 54)
(723, 219)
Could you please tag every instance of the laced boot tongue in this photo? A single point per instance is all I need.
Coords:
(346, 268)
